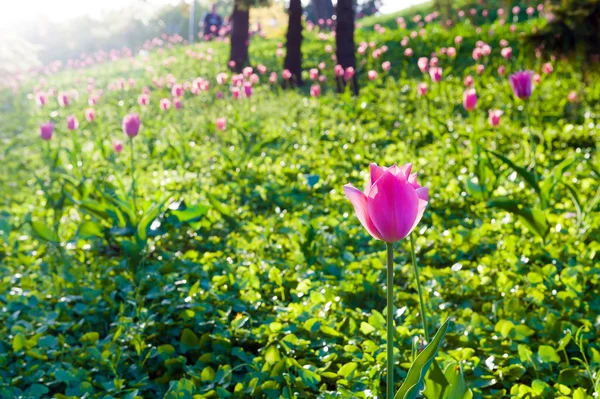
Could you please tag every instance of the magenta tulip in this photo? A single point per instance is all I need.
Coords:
(165, 104)
(470, 99)
(90, 114)
(392, 204)
(315, 90)
(46, 131)
(117, 146)
(521, 84)
(422, 89)
(436, 74)
(72, 122)
(494, 116)
(177, 103)
(131, 125)
(63, 99)
(221, 123)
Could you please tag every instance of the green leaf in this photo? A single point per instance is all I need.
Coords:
(527, 176)
(414, 382)
(4, 228)
(90, 230)
(347, 370)
(457, 386)
(435, 382)
(191, 214)
(547, 354)
(91, 337)
(272, 355)
(36, 391)
(18, 342)
(547, 186)
(41, 230)
(144, 224)
(366, 328)
(189, 340)
(533, 218)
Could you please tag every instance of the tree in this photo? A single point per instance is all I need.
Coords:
(344, 41)
(240, 37)
(293, 46)
(323, 9)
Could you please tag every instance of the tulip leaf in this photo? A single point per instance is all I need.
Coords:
(457, 388)
(435, 382)
(44, 232)
(526, 175)
(550, 182)
(414, 382)
(533, 218)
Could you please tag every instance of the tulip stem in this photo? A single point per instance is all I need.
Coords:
(390, 320)
(419, 290)
(133, 176)
(532, 139)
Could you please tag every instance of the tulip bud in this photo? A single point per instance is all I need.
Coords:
(131, 125)
(46, 131)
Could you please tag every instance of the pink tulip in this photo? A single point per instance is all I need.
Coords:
(177, 103)
(143, 99)
(572, 97)
(537, 78)
(322, 78)
(494, 116)
(165, 104)
(458, 40)
(286, 74)
(131, 125)
(530, 11)
(433, 62)
(315, 90)
(470, 99)
(221, 124)
(273, 77)
(386, 66)
(92, 100)
(547, 68)
(468, 81)
(72, 122)
(46, 131)
(63, 99)
(177, 90)
(506, 52)
(408, 52)
(423, 64)
(118, 146)
(480, 68)
(339, 70)
(90, 114)
(501, 70)
(372, 75)
(422, 89)
(314, 74)
(40, 99)
(392, 204)
(476, 53)
(348, 73)
(451, 52)
(436, 74)
(248, 89)
(516, 10)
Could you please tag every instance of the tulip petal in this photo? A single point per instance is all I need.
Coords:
(393, 206)
(376, 172)
(359, 202)
(423, 194)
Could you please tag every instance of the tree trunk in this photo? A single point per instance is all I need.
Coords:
(293, 46)
(323, 8)
(344, 41)
(240, 21)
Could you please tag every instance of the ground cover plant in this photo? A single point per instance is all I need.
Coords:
(172, 229)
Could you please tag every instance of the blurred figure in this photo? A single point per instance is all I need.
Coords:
(212, 22)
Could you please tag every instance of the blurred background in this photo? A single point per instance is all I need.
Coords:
(37, 32)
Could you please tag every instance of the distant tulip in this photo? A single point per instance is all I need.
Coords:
(314, 74)
(236, 93)
(177, 103)
(118, 146)
(63, 99)
(177, 90)
(433, 62)
(494, 116)
(72, 122)
(423, 64)
(451, 52)
(372, 75)
(506, 52)
(516, 10)
(501, 70)
(480, 68)
(392, 204)
(547, 68)
(348, 73)
(530, 11)
(46, 131)
(221, 124)
(386, 66)
(40, 99)
(422, 89)
(339, 70)
(470, 99)
(408, 52)
(248, 89)
(93, 100)
(468, 80)
(537, 78)
(131, 125)
(476, 53)
(458, 40)
(165, 104)
(143, 99)
(436, 74)
(521, 84)
(90, 114)
(315, 90)
(572, 97)
(503, 43)
(286, 74)
(273, 77)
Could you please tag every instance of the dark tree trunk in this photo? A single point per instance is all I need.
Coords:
(293, 46)
(240, 25)
(323, 8)
(344, 41)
